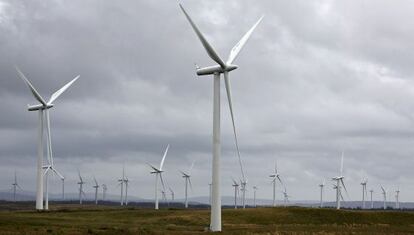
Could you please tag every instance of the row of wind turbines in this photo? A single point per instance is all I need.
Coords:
(220, 68)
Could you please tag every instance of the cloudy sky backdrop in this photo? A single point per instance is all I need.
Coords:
(316, 78)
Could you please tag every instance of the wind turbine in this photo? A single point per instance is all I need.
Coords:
(63, 188)
(126, 190)
(321, 199)
(255, 188)
(243, 189)
(158, 173)
(364, 191)
(397, 199)
(104, 189)
(81, 183)
(372, 202)
(236, 191)
(172, 194)
(339, 183)
(275, 175)
(122, 182)
(216, 70)
(43, 109)
(96, 186)
(384, 194)
(187, 178)
(15, 186)
(340, 192)
(285, 197)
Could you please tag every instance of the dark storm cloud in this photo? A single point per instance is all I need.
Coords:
(316, 78)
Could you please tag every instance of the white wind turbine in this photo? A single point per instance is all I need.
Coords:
(255, 188)
(126, 190)
(172, 194)
(372, 202)
(275, 176)
(81, 183)
(43, 109)
(397, 199)
(243, 189)
(339, 184)
(364, 191)
(222, 68)
(285, 197)
(321, 193)
(15, 186)
(384, 194)
(187, 178)
(158, 173)
(104, 189)
(236, 192)
(123, 181)
(96, 187)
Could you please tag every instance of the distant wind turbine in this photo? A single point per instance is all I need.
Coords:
(15, 186)
(172, 194)
(187, 178)
(339, 184)
(236, 191)
(397, 200)
(275, 176)
(321, 193)
(255, 188)
(221, 68)
(364, 191)
(384, 194)
(104, 189)
(81, 183)
(43, 109)
(158, 173)
(372, 202)
(96, 187)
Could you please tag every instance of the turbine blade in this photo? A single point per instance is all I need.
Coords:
(346, 191)
(57, 173)
(228, 90)
(191, 185)
(153, 167)
(61, 90)
(31, 87)
(210, 50)
(162, 182)
(239, 46)
(191, 168)
(280, 180)
(96, 182)
(163, 158)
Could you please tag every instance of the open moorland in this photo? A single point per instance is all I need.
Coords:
(71, 219)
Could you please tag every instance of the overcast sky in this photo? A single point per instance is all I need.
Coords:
(316, 78)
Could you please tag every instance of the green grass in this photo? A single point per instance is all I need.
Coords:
(71, 219)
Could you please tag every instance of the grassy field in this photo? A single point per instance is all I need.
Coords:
(70, 219)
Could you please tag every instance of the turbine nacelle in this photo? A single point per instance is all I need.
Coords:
(39, 107)
(215, 69)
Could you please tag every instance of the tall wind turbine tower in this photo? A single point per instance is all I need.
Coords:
(172, 194)
(15, 186)
(126, 190)
(81, 183)
(321, 193)
(372, 202)
(339, 184)
(104, 189)
(364, 191)
(216, 70)
(123, 181)
(255, 188)
(384, 194)
(275, 176)
(43, 109)
(236, 191)
(158, 173)
(243, 189)
(187, 178)
(397, 199)
(96, 187)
